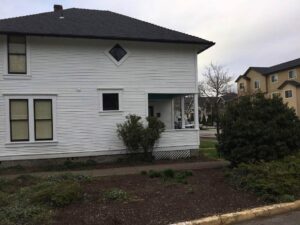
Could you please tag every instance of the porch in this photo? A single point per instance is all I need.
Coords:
(180, 115)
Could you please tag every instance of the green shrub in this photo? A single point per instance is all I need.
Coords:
(150, 135)
(153, 174)
(258, 129)
(171, 175)
(4, 199)
(135, 136)
(168, 173)
(131, 132)
(276, 181)
(115, 194)
(19, 214)
(55, 194)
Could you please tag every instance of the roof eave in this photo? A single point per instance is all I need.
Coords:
(208, 43)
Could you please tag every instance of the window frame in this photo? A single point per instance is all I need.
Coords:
(102, 91)
(23, 54)
(242, 86)
(258, 82)
(274, 75)
(117, 63)
(10, 120)
(295, 73)
(30, 98)
(35, 120)
(286, 92)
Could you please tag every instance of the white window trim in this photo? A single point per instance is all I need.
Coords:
(276, 75)
(116, 90)
(293, 77)
(258, 84)
(30, 99)
(286, 91)
(12, 76)
(118, 63)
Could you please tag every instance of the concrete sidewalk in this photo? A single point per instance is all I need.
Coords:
(130, 170)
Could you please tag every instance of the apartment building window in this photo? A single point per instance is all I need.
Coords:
(288, 94)
(292, 74)
(242, 86)
(16, 51)
(19, 120)
(256, 84)
(274, 78)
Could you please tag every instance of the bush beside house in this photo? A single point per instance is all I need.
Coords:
(135, 136)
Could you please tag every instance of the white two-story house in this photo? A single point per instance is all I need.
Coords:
(67, 77)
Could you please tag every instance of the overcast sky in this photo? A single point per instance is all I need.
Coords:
(246, 32)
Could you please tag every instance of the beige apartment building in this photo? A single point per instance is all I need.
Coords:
(282, 79)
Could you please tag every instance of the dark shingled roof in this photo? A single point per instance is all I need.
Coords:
(292, 82)
(276, 68)
(273, 69)
(95, 24)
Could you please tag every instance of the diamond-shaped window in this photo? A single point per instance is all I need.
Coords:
(117, 52)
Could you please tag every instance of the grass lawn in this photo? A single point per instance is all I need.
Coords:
(208, 148)
(150, 198)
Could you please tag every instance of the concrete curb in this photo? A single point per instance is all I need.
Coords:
(230, 218)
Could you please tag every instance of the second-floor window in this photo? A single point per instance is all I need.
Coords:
(274, 78)
(256, 84)
(16, 54)
(288, 94)
(292, 74)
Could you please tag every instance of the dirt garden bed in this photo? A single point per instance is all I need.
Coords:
(141, 200)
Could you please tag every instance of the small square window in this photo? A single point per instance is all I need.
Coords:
(117, 52)
(242, 86)
(288, 94)
(292, 74)
(110, 101)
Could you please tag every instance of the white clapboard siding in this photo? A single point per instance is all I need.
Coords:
(74, 69)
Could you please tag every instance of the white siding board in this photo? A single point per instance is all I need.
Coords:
(65, 66)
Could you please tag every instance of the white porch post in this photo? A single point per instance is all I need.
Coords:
(196, 112)
(182, 112)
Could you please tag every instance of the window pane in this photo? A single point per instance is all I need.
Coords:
(17, 48)
(110, 101)
(19, 131)
(17, 64)
(43, 130)
(43, 109)
(17, 39)
(18, 110)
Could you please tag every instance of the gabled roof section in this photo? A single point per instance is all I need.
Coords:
(86, 23)
(292, 82)
(242, 76)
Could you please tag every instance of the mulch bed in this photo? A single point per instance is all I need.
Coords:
(154, 201)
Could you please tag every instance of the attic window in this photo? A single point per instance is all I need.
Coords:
(117, 52)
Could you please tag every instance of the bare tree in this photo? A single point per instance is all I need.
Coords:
(215, 84)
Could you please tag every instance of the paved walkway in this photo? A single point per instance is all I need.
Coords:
(131, 169)
(292, 218)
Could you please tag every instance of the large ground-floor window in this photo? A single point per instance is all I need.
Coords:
(31, 118)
